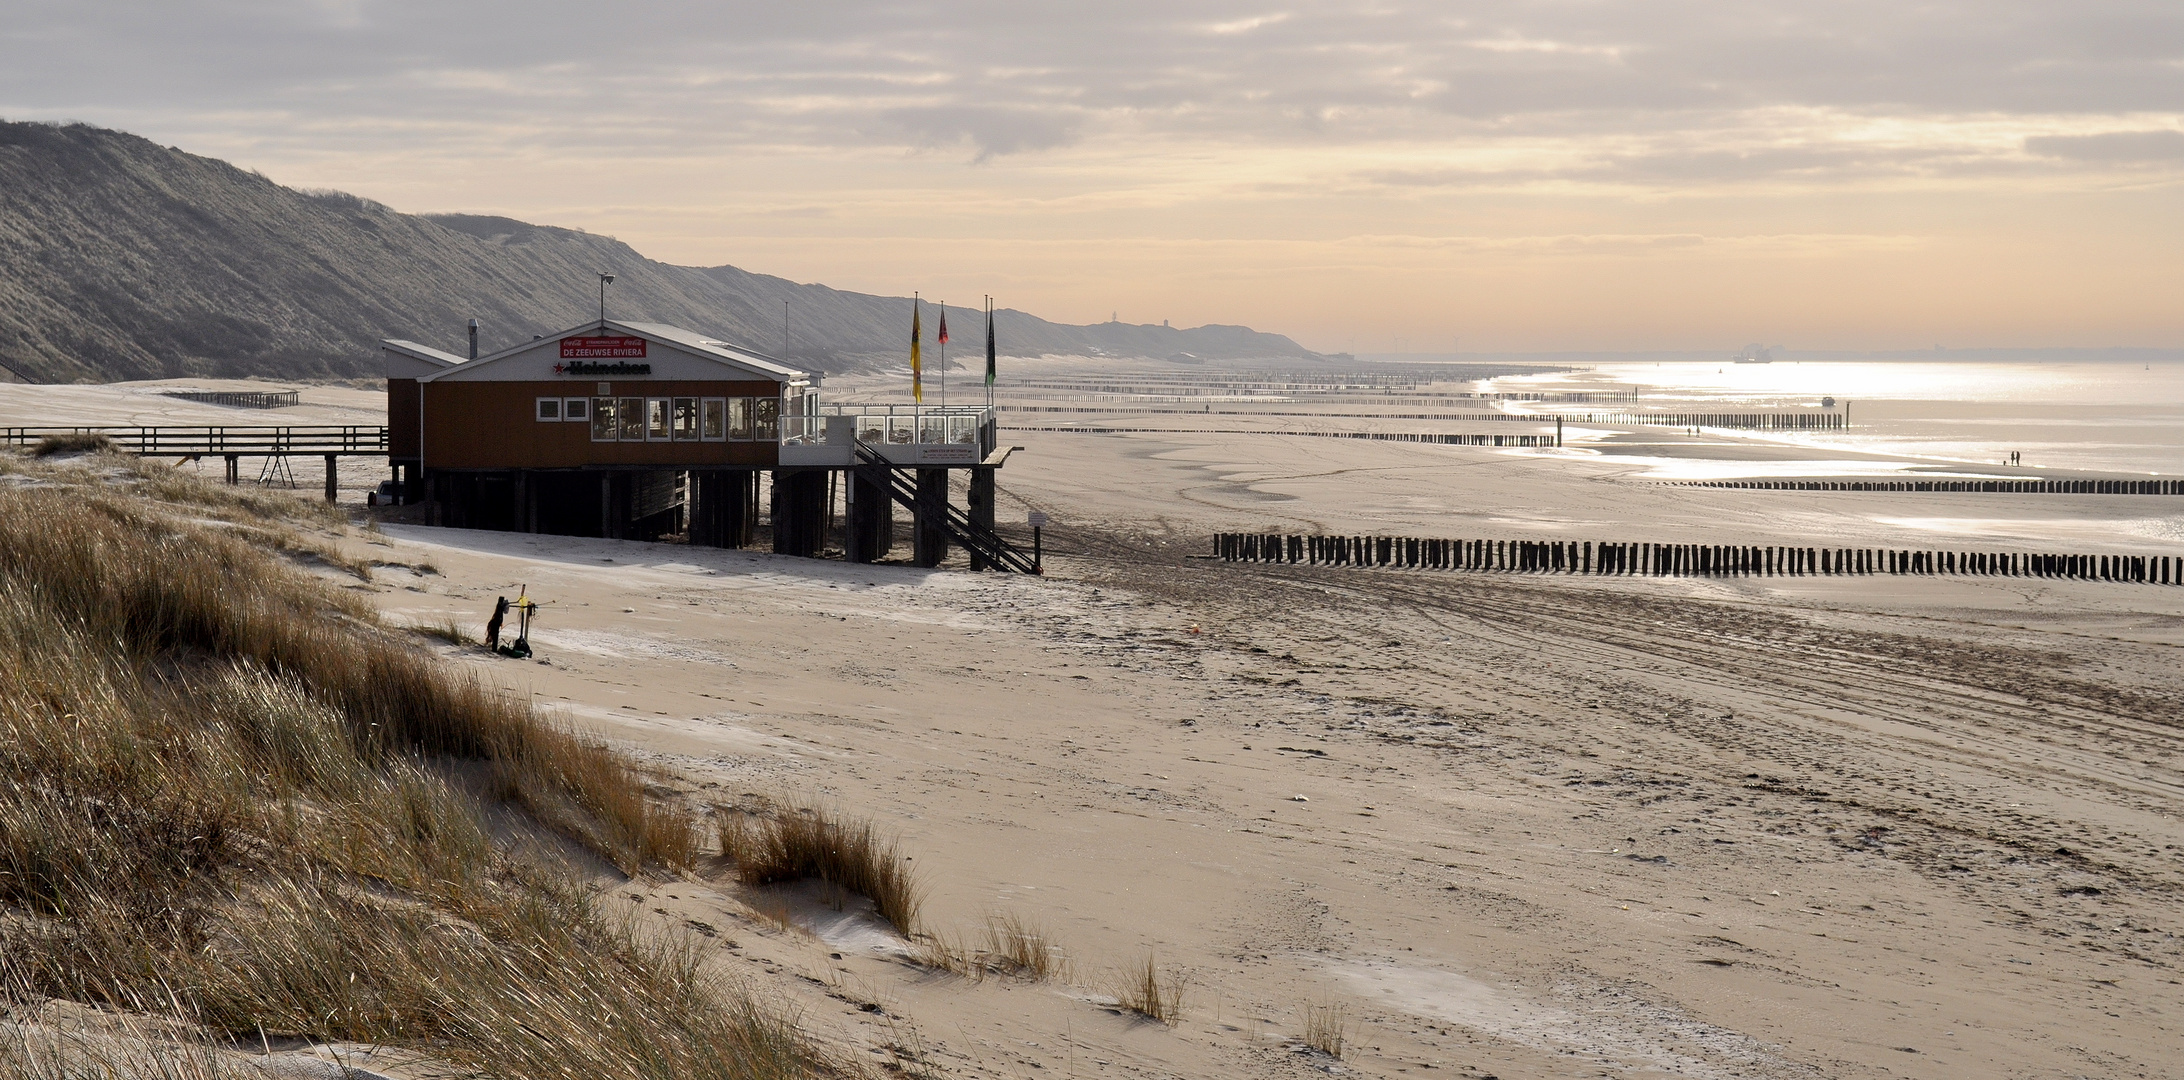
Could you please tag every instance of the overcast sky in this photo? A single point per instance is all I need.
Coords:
(1514, 175)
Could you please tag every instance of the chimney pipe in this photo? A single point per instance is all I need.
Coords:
(473, 339)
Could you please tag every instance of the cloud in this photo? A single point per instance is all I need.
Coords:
(1698, 79)
(2119, 147)
(1246, 25)
(992, 130)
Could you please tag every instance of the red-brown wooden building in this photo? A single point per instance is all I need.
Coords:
(614, 429)
(638, 430)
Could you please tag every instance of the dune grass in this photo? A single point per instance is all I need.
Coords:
(171, 484)
(232, 797)
(791, 841)
(1009, 945)
(156, 589)
(74, 442)
(37, 1046)
(1023, 948)
(1325, 1025)
(1143, 991)
(449, 630)
(247, 503)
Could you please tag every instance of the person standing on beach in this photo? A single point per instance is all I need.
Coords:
(493, 625)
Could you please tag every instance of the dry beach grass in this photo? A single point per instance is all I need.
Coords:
(234, 798)
(1142, 989)
(791, 841)
(1007, 944)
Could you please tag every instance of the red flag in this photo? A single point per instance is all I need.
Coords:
(943, 338)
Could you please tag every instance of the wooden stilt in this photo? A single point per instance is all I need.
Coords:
(931, 543)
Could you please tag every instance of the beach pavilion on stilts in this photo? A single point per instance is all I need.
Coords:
(634, 430)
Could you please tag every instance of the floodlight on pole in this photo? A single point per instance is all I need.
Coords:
(604, 281)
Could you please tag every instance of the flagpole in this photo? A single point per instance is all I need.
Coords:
(944, 358)
(989, 351)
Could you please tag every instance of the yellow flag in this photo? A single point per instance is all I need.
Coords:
(917, 355)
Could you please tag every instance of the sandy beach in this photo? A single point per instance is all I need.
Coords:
(1509, 826)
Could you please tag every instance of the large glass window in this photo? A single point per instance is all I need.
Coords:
(766, 423)
(604, 425)
(739, 419)
(713, 419)
(872, 428)
(632, 412)
(656, 419)
(686, 419)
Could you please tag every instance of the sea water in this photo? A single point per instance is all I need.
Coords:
(2087, 415)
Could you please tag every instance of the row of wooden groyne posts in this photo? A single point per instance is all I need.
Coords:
(1798, 421)
(1751, 421)
(2034, 487)
(1375, 436)
(1680, 560)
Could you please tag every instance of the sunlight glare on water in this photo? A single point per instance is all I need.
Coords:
(2111, 417)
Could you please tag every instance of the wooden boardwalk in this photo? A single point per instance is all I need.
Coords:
(230, 439)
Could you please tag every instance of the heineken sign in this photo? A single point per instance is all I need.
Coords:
(619, 367)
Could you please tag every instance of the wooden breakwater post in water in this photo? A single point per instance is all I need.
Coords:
(1628, 559)
(1995, 487)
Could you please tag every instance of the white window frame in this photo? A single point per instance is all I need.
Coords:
(666, 429)
(576, 410)
(605, 411)
(674, 418)
(539, 408)
(758, 406)
(708, 403)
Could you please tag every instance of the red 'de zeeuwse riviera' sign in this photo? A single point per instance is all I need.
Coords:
(602, 348)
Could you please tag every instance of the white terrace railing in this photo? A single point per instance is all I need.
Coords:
(904, 434)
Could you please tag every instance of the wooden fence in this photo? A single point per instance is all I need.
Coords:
(1682, 560)
(201, 441)
(242, 399)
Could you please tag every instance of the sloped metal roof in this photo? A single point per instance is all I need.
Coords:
(750, 360)
(426, 353)
(693, 340)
